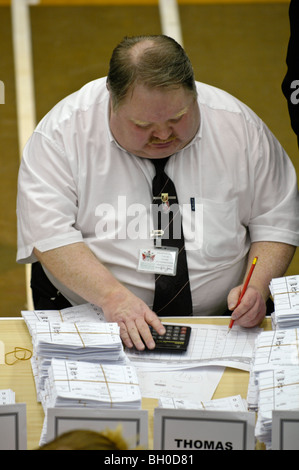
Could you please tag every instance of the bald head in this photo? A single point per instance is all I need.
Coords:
(152, 61)
(139, 48)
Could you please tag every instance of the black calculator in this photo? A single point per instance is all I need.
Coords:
(176, 338)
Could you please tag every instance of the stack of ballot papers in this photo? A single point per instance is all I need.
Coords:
(90, 385)
(90, 342)
(80, 313)
(285, 294)
(274, 378)
(278, 390)
(94, 385)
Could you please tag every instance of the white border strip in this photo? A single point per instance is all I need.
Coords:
(170, 20)
(21, 31)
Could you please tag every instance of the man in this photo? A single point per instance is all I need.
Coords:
(290, 84)
(85, 189)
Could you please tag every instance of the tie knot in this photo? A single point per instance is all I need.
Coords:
(159, 164)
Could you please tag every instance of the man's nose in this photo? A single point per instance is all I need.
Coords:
(162, 132)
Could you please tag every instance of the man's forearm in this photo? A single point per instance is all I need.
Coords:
(76, 267)
(273, 261)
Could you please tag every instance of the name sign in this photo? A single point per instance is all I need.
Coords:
(203, 430)
(285, 430)
(134, 423)
(13, 427)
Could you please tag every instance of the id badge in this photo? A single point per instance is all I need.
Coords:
(162, 260)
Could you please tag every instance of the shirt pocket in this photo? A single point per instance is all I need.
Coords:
(223, 235)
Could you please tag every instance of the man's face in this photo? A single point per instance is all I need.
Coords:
(155, 123)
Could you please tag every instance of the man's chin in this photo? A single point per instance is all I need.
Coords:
(161, 150)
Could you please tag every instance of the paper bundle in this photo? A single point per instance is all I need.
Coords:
(83, 384)
(278, 390)
(285, 293)
(89, 342)
(274, 378)
(81, 313)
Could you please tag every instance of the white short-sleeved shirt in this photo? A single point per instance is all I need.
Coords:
(77, 184)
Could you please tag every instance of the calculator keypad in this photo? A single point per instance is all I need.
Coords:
(176, 338)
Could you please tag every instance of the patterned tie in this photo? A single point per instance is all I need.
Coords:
(172, 293)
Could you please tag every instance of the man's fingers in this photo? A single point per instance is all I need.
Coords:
(125, 335)
(251, 310)
(130, 335)
(145, 333)
(134, 326)
(233, 298)
(155, 322)
(137, 333)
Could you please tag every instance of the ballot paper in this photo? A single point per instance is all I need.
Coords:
(84, 384)
(80, 313)
(278, 389)
(7, 397)
(208, 345)
(279, 347)
(233, 403)
(188, 384)
(285, 293)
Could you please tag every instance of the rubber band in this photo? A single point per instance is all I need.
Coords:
(286, 292)
(279, 386)
(25, 356)
(107, 386)
(96, 381)
(79, 335)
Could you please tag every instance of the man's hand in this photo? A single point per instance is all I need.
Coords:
(76, 267)
(133, 317)
(273, 261)
(252, 308)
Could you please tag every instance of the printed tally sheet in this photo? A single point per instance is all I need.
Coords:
(209, 345)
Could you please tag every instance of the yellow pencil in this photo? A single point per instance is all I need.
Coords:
(244, 289)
